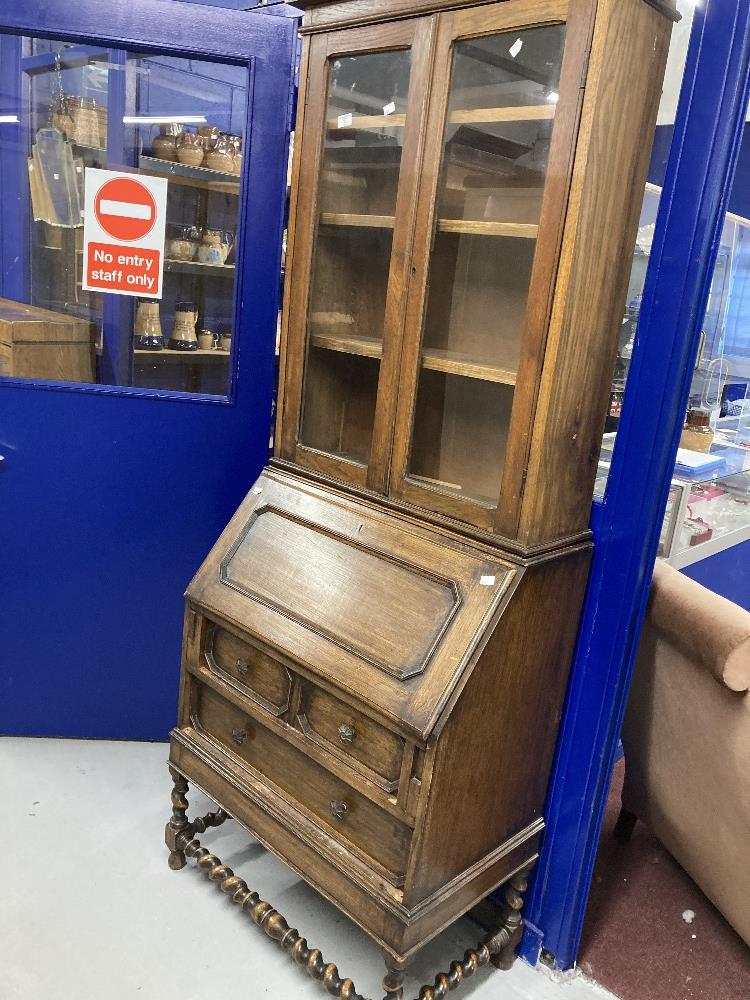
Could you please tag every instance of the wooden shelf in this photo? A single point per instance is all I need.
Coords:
(181, 173)
(455, 363)
(472, 227)
(529, 113)
(450, 362)
(364, 347)
(196, 267)
(359, 221)
(471, 116)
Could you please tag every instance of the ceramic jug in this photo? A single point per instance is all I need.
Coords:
(184, 337)
(164, 145)
(190, 149)
(148, 332)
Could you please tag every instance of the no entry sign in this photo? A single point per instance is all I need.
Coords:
(123, 233)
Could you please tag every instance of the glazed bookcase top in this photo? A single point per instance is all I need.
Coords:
(464, 182)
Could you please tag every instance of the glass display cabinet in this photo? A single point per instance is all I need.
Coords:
(709, 510)
(393, 609)
(147, 114)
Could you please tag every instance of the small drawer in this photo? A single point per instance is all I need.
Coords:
(258, 676)
(348, 816)
(350, 735)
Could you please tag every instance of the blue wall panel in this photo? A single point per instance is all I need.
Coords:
(727, 573)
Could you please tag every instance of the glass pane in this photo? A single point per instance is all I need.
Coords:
(642, 252)
(75, 108)
(712, 472)
(366, 115)
(500, 118)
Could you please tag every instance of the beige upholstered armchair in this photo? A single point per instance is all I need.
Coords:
(687, 738)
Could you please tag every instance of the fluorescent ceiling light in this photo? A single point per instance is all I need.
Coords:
(9, 120)
(164, 120)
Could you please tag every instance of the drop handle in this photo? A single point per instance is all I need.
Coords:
(339, 809)
(346, 734)
(243, 668)
(239, 736)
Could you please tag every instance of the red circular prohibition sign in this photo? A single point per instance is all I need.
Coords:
(125, 209)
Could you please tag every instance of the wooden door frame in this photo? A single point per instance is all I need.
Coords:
(455, 26)
(416, 35)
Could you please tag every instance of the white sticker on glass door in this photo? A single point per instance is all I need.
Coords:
(123, 233)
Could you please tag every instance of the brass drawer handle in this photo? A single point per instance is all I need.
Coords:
(239, 736)
(243, 668)
(346, 734)
(339, 809)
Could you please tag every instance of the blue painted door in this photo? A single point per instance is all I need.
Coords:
(121, 466)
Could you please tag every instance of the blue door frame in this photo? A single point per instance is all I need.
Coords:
(626, 525)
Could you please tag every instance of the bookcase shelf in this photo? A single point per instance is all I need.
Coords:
(434, 359)
(471, 227)
(469, 116)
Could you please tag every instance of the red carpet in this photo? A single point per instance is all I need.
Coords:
(635, 940)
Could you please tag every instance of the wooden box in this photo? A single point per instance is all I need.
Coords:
(40, 344)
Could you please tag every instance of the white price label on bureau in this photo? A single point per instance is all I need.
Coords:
(344, 121)
(389, 108)
(488, 581)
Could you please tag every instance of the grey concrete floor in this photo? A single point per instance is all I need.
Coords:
(90, 911)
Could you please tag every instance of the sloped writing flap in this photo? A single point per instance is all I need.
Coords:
(381, 608)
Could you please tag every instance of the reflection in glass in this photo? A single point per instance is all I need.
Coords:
(365, 124)
(82, 107)
(501, 112)
(657, 171)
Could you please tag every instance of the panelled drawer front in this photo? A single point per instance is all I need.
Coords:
(256, 674)
(348, 733)
(345, 813)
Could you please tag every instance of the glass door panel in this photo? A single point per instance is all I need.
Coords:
(365, 125)
(500, 118)
(88, 107)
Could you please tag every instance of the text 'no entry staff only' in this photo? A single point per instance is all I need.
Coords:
(123, 233)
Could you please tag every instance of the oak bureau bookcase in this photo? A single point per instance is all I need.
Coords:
(376, 651)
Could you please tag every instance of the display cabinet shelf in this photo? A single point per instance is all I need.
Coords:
(471, 116)
(450, 362)
(197, 268)
(182, 173)
(98, 151)
(471, 227)
(193, 267)
(185, 357)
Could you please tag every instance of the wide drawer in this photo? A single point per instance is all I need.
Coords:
(351, 736)
(347, 815)
(257, 675)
